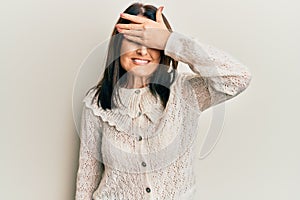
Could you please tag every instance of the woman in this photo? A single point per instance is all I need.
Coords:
(138, 123)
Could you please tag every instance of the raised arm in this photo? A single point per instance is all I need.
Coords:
(218, 76)
(90, 168)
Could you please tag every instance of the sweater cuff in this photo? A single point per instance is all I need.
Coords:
(186, 49)
(172, 43)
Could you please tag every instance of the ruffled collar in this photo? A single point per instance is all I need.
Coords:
(131, 104)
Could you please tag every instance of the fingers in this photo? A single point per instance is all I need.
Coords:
(130, 29)
(133, 18)
(130, 26)
(159, 17)
(134, 39)
(131, 32)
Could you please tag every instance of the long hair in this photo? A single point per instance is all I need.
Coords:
(114, 71)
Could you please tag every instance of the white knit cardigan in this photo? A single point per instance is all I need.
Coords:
(139, 150)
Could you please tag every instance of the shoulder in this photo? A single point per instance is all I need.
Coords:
(182, 87)
(90, 103)
(90, 99)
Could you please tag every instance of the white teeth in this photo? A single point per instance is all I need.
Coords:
(138, 61)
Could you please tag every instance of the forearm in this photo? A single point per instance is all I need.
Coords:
(218, 74)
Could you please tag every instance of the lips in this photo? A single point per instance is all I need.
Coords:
(139, 61)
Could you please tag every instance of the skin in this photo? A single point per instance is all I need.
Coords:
(139, 62)
(143, 40)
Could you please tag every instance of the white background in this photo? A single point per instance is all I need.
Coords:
(44, 42)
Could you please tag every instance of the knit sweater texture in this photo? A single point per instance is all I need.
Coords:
(140, 150)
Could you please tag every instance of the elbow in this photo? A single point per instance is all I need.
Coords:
(247, 77)
(244, 81)
(238, 84)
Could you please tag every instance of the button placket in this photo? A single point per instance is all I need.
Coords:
(139, 137)
(145, 168)
(138, 132)
(137, 115)
(144, 165)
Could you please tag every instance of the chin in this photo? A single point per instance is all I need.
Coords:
(141, 73)
(142, 70)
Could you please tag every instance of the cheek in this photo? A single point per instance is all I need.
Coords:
(155, 56)
(124, 61)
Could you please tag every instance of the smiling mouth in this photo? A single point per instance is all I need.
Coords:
(138, 61)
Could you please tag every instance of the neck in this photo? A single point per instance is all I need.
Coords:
(136, 81)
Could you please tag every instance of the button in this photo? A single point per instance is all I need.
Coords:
(148, 190)
(144, 164)
(140, 138)
(139, 113)
(137, 91)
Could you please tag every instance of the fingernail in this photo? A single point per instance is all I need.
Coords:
(162, 8)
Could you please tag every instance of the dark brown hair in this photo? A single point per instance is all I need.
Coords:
(114, 71)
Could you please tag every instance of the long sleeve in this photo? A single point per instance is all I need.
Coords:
(90, 168)
(218, 76)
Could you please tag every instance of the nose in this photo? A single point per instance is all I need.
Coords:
(142, 50)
